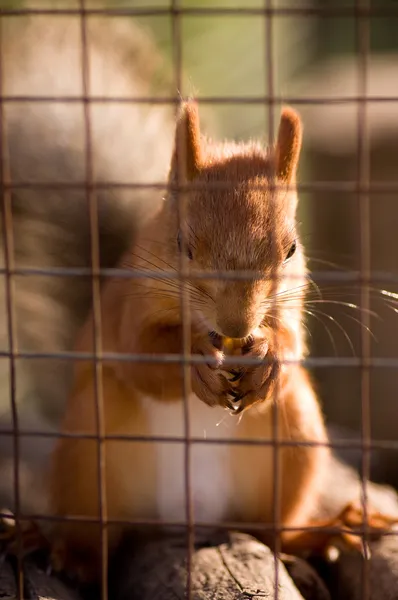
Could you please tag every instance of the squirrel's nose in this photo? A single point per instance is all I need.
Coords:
(233, 328)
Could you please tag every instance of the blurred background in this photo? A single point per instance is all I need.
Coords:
(315, 69)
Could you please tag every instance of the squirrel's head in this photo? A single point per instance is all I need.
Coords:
(239, 216)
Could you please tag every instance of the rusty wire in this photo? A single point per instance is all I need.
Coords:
(182, 273)
(313, 363)
(328, 12)
(8, 248)
(92, 206)
(214, 100)
(363, 176)
(269, 67)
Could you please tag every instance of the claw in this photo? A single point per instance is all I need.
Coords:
(28, 537)
(236, 376)
(216, 340)
(232, 407)
(248, 346)
(235, 394)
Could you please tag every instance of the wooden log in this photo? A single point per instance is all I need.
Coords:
(8, 584)
(39, 585)
(234, 566)
(238, 568)
(165, 567)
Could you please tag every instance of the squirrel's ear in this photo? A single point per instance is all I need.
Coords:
(288, 145)
(187, 158)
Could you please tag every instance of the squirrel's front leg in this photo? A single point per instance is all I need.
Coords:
(165, 379)
(75, 482)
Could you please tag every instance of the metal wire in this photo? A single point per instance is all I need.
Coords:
(276, 459)
(327, 12)
(363, 176)
(347, 187)
(312, 363)
(97, 321)
(337, 444)
(184, 524)
(212, 100)
(8, 249)
(183, 271)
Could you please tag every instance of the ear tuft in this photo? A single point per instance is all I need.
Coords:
(188, 152)
(288, 145)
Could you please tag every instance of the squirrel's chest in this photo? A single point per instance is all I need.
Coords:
(226, 480)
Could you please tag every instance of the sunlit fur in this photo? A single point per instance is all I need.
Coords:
(250, 225)
(237, 219)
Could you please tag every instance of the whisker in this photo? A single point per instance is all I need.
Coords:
(327, 329)
(158, 289)
(343, 331)
(372, 335)
(202, 292)
(295, 289)
(341, 256)
(157, 257)
(316, 287)
(393, 308)
(311, 303)
(156, 242)
(327, 263)
(346, 304)
(391, 303)
(275, 318)
(145, 260)
(162, 310)
(171, 283)
(172, 286)
(391, 295)
(279, 295)
(162, 293)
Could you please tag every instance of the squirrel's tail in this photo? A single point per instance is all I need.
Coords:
(45, 137)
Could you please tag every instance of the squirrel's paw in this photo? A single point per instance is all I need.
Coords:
(255, 382)
(344, 532)
(359, 528)
(20, 541)
(77, 564)
(208, 381)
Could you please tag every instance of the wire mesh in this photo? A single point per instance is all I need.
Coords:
(9, 260)
(363, 34)
(361, 189)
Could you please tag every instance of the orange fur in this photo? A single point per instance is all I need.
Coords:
(289, 145)
(243, 225)
(187, 157)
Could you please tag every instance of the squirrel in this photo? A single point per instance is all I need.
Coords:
(45, 148)
(239, 217)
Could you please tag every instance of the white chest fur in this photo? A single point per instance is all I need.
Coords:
(227, 481)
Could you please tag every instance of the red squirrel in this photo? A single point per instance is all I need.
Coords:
(247, 225)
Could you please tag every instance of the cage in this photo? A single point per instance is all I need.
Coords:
(90, 97)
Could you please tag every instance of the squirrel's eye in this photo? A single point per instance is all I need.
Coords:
(180, 244)
(292, 250)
